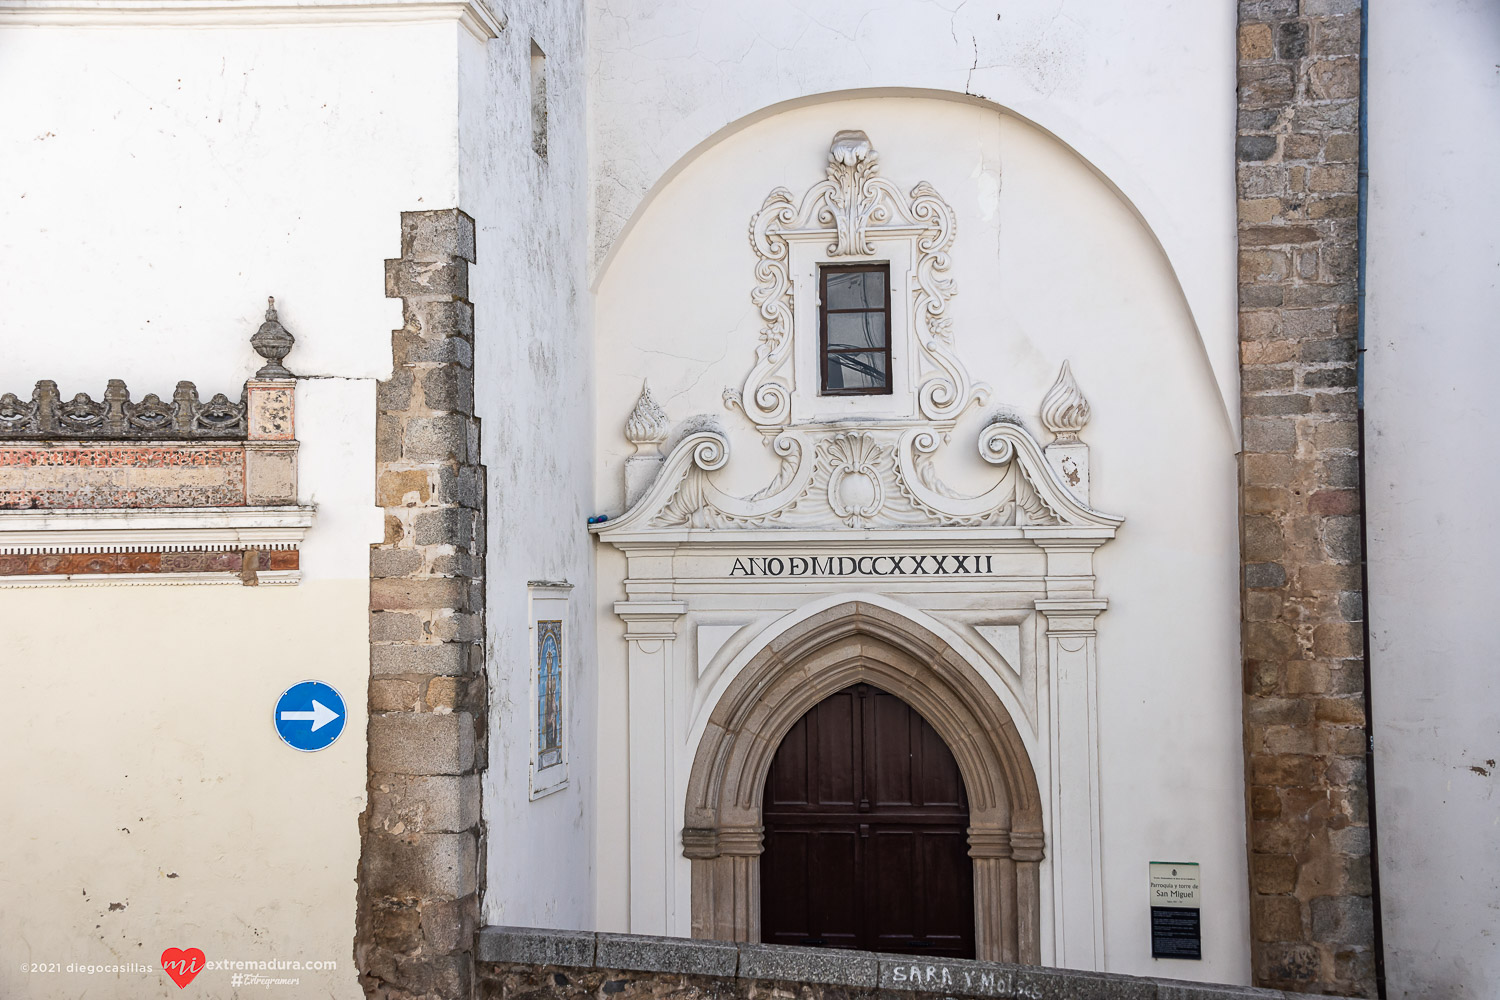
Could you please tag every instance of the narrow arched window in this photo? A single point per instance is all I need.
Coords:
(854, 325)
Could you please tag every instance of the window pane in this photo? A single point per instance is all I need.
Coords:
(865, 370)
(856, 331)
(856, 290)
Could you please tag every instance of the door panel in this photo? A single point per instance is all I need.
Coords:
(866, 843)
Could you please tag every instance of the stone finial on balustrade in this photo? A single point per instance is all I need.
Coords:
(1065, 412)
(272, 342)
(646, 429)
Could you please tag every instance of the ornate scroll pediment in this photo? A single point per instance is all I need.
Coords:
(867, 477)
(850, 209)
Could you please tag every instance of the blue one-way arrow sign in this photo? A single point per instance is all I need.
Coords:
(309, 716)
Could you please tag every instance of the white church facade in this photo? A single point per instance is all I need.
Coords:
(938, 480)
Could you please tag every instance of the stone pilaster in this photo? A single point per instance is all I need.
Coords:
(420, 867)
(1312, 916)
(651, 631)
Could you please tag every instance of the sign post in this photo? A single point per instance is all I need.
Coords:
(1176, 929)
(309, 716)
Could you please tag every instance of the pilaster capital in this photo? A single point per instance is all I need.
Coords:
(650, 620)
(1027, 845)
(1072, 615)
(987, 843)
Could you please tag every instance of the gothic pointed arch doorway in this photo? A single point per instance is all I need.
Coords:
(865, 818)
(853, 643)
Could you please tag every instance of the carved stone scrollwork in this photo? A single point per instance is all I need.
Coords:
(873, 477)
(853, 205)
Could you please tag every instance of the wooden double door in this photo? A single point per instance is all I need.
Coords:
(865, 833)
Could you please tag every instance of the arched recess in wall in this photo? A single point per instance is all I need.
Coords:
(1224, 375)
(848, 644)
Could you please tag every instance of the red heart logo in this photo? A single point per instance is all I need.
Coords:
(183, 966)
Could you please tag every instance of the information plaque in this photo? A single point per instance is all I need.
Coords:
(1176, 928)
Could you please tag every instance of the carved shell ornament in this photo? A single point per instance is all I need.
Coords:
(855, 492)
(853, 204)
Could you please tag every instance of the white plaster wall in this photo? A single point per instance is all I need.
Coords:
(534, 398)
(158, 182)
(1143, 90)
(1430, 365)
(1050, 264)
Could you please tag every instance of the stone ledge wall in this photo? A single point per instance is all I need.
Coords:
(529, 964)
(1312, 915)
(420, 875)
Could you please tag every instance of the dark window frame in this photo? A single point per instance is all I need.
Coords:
(824, 352)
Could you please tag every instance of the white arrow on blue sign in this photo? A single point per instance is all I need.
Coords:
(309, 716)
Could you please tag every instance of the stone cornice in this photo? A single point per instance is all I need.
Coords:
(476, 16)
(188, 529)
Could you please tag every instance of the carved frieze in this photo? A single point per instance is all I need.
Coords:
(872, 477)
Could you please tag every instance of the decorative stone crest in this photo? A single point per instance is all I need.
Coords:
(854, 205)
(46, 416)
(1065, 411)
(646, 427)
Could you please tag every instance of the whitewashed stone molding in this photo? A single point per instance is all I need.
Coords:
(1065, 412)
(853, 205)
(872, 477)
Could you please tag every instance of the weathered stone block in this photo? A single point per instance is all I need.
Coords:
(437, 235)
(437, 439)
(448, 526)
(403, 488)
(537, 947)
(448, 388)
(394, 562)
(411, 658)
(394, 394)
(432, 592)
(424, 866)
(386, 626)
(664, 954)
(1277, 918)
(418, 279)
(406, 804)
(422, 744)
(810, 965)
(1343, 920)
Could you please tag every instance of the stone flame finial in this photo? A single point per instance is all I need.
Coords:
(1064, 409)
(272, 342)
(646, 427)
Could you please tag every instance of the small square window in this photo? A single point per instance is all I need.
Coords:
(854, 326)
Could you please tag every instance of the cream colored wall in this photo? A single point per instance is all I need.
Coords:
(148, 801)
(1050, 264)
(162, 180)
